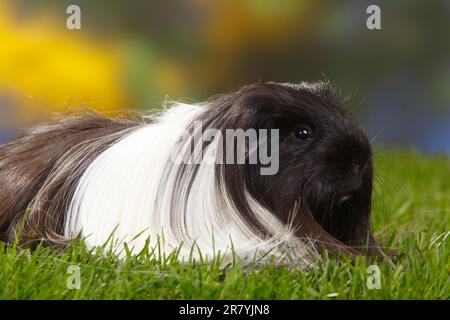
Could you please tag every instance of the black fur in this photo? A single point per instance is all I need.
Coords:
(328, 176)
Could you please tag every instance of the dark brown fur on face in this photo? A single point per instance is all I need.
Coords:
(314, 176)
(40, 169)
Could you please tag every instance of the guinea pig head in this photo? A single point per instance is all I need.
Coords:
(325, 160)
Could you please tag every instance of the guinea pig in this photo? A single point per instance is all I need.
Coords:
(304, 187)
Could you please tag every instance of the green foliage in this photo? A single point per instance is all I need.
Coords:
(411, 214)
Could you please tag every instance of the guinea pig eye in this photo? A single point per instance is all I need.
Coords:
(303, 133)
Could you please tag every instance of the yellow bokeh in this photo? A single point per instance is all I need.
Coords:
(48, 68)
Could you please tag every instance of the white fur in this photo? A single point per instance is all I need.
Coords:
(132, 188)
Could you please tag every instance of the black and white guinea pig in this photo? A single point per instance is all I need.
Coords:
(306, 184)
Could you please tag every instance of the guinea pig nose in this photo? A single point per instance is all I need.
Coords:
(358, 165)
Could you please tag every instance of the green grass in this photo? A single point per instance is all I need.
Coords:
(411, 214)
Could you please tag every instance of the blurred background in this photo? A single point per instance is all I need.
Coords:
(137, 54)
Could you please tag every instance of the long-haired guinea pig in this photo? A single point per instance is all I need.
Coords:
(271, 169)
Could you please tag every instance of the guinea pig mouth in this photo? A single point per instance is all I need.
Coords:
(340, 217)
